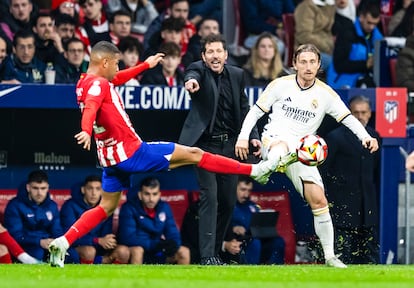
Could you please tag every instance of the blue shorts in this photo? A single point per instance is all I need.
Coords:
(150, 157)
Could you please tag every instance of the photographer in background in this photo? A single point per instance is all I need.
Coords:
(239, 245)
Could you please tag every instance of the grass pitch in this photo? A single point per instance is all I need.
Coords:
(148, 276)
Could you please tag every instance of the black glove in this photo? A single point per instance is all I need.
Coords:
(168, 247)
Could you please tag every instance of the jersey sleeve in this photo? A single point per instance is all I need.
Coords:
(336, 107)
(95, 94)
(269, 96)
(124, 75)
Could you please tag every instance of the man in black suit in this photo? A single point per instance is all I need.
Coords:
(219, 105)
(351, 175)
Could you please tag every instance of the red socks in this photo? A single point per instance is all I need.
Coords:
(220, 164)
(89, 220)
(5, 259)
(11, 244)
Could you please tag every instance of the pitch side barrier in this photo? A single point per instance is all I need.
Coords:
(37, 124)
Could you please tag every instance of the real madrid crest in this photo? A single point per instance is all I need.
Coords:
(314, 104)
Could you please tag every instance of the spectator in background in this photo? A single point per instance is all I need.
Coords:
(20, 17)
(131, 50)
(171, 31)
(405, 65)
(351, 174)
(143, 12)
(166, 73)
(264, 63)
(95, 27)
(67, 7)
(49, 47)
(65, 27)
(32, 218)
(147, 228)
(401, 21)
(9, 246)
(345, 16)
(177, 9)
(219, 105)
(353, 59)
(313, 25)
(206, 27)
(254, 251)
(99, 245)
(212, 9)
(70, 69)
(264, 15)
(3, 50)
(119, 26)
(22, 66)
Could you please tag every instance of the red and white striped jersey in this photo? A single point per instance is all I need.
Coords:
(103, 112)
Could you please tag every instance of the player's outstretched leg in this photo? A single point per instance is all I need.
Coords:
(57, 251)
(89, 220)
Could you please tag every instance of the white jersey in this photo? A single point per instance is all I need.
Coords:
(297, 112)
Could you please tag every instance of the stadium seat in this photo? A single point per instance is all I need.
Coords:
(179, 202)
(60, 196)
(393, 72)
(279, 201)
(236, 47)
(289, 26)
(385, 20)
(5, 196)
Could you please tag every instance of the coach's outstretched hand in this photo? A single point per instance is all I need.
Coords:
(84, 139)
(371, 144)
(154, 59)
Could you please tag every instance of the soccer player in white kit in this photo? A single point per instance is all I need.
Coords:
(299, 103)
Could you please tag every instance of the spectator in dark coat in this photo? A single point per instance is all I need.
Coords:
(168, 72)
(73, 65)
(23, 66)
(351, 175)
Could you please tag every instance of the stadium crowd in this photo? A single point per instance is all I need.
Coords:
(38, 34)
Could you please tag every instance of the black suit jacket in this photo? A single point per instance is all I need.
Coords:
(204, 101)
(351, 176)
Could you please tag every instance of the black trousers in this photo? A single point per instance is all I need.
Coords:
(217, 198)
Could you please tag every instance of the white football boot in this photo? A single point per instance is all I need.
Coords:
(335, 262)
(57, 250)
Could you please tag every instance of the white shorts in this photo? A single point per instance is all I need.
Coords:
(296, 172)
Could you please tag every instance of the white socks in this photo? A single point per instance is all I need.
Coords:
(27, 259)
(324, 230)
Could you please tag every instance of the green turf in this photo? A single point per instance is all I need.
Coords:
(125, 276)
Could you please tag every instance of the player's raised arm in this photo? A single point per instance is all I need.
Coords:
(121, 77)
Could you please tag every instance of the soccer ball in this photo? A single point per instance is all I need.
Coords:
(312, 150)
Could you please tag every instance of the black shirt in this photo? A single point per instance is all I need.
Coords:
(224, 120)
